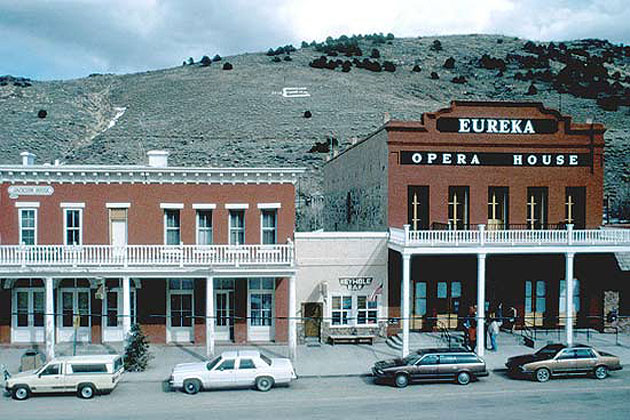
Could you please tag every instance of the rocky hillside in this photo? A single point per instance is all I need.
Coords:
(208, 114)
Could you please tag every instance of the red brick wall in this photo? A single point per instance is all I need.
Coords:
(282, 310)
(413, 136)
(240, 311)
(145, 217)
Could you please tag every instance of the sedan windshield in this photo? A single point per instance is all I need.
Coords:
(411, 359)
(213, 363)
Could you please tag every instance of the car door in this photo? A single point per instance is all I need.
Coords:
(564, 362)
(426, 367)
(246, 372)
(585, 360)
(222, 376)
(447, 367)
(50, 379)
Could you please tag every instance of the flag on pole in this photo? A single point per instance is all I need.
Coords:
(377, 291)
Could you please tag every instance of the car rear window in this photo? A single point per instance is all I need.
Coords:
(246, 364)
(265, 359)
(467, 358)
(89, 368)
(447, 359)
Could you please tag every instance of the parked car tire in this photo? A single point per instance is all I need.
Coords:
(542, 375)
(86, 391)
(601, 372)
(401, 380)
(463, 378)
(264, 383)
(192, 386)
(21, 392)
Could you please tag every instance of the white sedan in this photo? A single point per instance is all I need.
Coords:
(232, 369)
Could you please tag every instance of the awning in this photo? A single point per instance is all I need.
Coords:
(623, 259)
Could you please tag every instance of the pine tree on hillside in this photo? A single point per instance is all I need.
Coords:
(137, 354)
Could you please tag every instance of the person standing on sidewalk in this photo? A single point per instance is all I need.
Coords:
(493, 330)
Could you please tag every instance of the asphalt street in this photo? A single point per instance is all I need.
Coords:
(496, 397)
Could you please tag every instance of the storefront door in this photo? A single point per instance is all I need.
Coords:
(224, 315)
(112, 314)
(448, 296)
(535, 302)
(74, 302)
(260, 308)
(28, 317)
(180, 304)
(419, 305)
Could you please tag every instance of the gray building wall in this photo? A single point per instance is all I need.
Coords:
(355, 187)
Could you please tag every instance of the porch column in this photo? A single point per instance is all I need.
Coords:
(568, 281)
(481, 303)
(126, 307)
(292, 319)
(49, 319)
(404, 309)
(209, 317)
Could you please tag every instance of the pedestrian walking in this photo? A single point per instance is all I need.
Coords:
(493, 330)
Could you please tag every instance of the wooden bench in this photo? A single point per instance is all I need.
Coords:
(351, 338)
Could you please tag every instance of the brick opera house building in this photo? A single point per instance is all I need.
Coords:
(191, 254)
(486, 204)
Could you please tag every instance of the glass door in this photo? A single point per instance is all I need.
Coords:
(448, 295)
(28, 316)
(420, 305)
(75, 315)
(180, 309)
(224, 314)
(535, 302)
(562, 304)
(260, 309)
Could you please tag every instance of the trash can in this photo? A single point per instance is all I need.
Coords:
(31, 360)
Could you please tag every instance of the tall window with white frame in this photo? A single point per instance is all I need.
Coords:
(237, 227)
(28, 226)
(341, 310)
(458, 207)
(204, 227)
(172, 233)
(269, 226)
(73, 234)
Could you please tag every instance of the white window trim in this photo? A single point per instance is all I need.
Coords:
(237, 206)
(117, 205)
(269, 206)
(353, 314)
(262, 227)
(31, 307)
(230, 228)
(72, 205)
(166, 226)
(204, 206)
(65, 224)
(27, 204)
(20, 223)
(172, 206)
(197, 227)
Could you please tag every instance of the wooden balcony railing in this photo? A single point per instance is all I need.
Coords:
(145, 255)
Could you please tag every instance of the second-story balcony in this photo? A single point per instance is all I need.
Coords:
(108, 256)
(519, 237)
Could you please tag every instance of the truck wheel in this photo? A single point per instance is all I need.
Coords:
(463, 378)
(21, 392)
(401, 380)
(191, 386)
(542, 375)
(86, 391)
(264, 383)
(601, 372)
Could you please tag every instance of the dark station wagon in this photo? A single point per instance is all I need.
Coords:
(452, 364)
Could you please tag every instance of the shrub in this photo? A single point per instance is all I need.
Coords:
(191, 61)
(307, 114)
(375, 53)
(42, 113)
(216, 58)
(389, 66)
(205, 61)
(137, 354)
(276, 59)
(531, 90)
(449, 63)
(270, 52)
(287, 58)
(227, 66)
(389, 37)
(304, 44)
(416, 69)
(434, 75)
(436, 46)
(459, 80)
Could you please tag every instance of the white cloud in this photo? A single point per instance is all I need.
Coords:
(70, 38)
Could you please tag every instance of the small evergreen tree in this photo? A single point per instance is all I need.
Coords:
(216, 58)
(137, 354)
(205, 61)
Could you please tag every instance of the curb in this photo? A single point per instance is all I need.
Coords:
(308, 376)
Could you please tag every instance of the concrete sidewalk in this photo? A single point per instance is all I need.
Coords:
(327, 360)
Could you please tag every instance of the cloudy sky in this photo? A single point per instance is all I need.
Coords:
(61, 39)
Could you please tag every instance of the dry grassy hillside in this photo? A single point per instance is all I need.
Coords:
(211, 116)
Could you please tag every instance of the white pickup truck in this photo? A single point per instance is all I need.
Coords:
(233, 369)
(84, 375)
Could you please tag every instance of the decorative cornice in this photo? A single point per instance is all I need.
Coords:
(97, 174)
